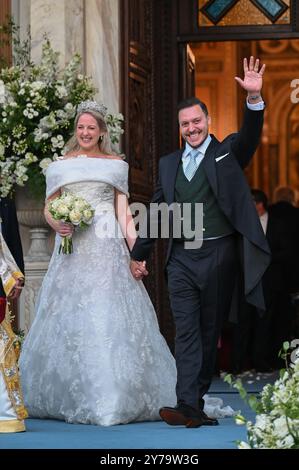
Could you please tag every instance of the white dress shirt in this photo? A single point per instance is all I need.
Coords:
(264, 221)
(202, 150)
(203, 147)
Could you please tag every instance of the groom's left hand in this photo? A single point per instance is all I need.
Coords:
(138, 269)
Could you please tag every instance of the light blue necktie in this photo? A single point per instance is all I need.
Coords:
(192, 165)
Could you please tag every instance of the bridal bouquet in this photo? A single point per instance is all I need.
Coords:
(71, 209)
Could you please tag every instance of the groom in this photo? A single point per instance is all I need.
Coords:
(202, 280)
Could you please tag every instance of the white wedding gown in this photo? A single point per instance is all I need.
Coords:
(94, 353)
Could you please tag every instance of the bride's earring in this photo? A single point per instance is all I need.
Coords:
(101, 138)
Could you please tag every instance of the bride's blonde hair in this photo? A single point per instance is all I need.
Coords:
(104, 142)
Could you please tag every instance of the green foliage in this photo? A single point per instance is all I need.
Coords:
(276, 408)
(37, 108)
(37, 105)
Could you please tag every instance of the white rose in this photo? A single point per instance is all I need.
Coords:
(87, 216)
(68, 199)
(79, 205)
(62, 209)
(75, 217)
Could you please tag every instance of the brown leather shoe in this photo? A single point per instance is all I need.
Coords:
(176, 417)
(185, 415)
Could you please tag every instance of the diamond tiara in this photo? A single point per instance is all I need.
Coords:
(92, 106)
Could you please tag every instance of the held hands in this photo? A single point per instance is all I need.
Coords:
(253, 78)
(138, 269)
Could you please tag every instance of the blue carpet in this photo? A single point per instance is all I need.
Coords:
(52, 434)
(42, 434)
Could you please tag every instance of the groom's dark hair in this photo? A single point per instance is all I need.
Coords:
(192, 101)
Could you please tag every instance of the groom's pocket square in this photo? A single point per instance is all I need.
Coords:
(221, 156)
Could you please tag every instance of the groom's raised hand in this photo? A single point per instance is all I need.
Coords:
(253, 78)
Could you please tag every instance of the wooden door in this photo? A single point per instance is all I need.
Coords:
(187, 71)
(158, 72)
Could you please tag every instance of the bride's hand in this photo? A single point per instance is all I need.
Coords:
(62, 228)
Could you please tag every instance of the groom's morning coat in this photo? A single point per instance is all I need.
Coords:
(233, 194)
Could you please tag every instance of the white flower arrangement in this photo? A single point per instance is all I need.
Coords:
(74, 210)
(277, 410)
(37, 108)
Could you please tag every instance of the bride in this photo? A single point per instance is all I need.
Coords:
(94, 353)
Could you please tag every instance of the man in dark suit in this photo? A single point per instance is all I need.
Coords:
(202, 280)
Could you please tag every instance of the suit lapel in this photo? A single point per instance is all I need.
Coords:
(172, 170)
(210, 165)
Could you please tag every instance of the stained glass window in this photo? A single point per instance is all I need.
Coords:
(243, 12)
(216, 9)
(271, 8)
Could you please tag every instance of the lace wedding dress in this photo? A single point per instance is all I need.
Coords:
(94, 353)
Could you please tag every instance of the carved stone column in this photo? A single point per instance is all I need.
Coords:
(62, 21)
(34, 273)
(30, 215)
